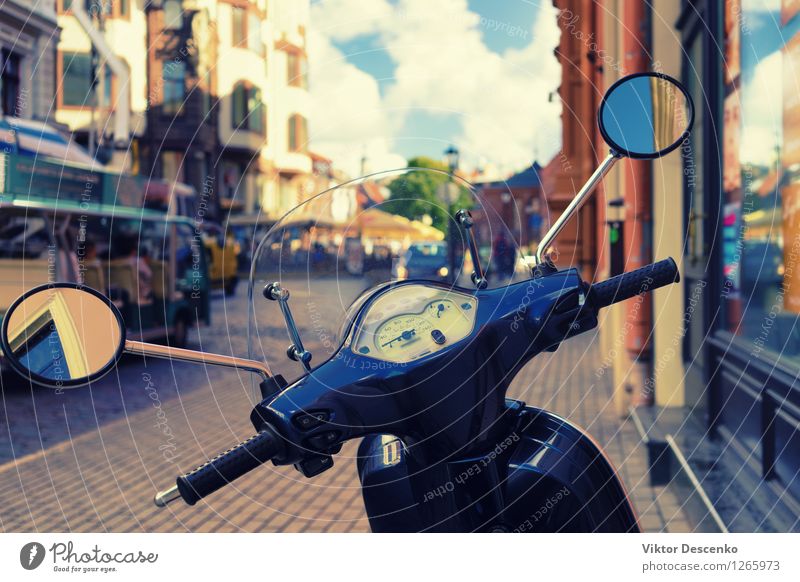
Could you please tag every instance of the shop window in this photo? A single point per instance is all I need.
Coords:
(761, 179)
(298, 133)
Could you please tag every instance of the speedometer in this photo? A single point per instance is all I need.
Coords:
(402, 332)
(412, 321)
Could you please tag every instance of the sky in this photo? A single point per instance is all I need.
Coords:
(392, 79)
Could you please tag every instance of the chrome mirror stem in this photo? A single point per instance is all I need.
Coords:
(170, 353)
(296, 351)
(575, 205)
(478, 275)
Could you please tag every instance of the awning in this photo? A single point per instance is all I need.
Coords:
(33, 138)
(377, 224)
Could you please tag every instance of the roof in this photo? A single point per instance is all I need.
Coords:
(530, 177)
(369, 194)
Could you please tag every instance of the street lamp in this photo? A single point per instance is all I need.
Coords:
(451, 154)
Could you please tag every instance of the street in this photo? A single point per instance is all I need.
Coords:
(90, 459)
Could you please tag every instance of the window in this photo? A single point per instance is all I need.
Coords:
(172, 166)
(256, 108)
(761, 182)
(297, 69)
(239, 106)
(10, 83)
(239, 20)
(254, 33)
(173, 15)
(173, 74)
(78, 80)
(111, 8)
(247, 109)
(232, 178)
(298, 133)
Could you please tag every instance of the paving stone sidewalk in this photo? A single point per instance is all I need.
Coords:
(104, 479)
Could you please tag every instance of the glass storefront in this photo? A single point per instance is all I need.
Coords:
(760, 233)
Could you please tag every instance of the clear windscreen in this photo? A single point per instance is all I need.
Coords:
(335, 247)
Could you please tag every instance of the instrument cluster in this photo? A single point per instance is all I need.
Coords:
(409, 322)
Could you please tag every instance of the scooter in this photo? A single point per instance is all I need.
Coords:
(419, 369)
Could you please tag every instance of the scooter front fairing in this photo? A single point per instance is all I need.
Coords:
(383, 348)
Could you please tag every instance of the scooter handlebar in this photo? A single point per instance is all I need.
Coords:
(222, 469)
(638, 282)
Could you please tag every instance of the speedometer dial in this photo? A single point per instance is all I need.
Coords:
(412, 321)
(402, 332)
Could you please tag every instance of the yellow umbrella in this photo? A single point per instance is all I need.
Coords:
(375, 223)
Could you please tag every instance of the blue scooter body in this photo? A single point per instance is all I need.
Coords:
(545, 476)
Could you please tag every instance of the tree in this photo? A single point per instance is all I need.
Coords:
(417, 193)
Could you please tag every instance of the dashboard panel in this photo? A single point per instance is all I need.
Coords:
(412, 321)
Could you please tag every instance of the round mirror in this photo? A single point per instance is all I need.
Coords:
(645, 115)
(62, 335)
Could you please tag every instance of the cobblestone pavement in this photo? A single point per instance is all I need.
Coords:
(92, 458)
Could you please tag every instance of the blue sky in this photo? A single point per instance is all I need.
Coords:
(369, 54)
(414, 76)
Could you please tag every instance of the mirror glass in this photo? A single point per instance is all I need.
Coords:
(62, 336)
(645, 116)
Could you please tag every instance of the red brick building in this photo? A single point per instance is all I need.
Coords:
(580, 243)
(515, 204)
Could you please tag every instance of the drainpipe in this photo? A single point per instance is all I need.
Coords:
(122, 111)
(637, 184)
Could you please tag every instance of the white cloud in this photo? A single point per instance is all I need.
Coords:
(443, 68)
(341, 20)
(348, 118)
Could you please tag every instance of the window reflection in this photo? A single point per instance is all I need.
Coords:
(761, 180)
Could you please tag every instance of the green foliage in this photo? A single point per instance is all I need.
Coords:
(416, 194)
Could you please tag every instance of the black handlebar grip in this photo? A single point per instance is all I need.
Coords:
(638, 282)
(228, 466)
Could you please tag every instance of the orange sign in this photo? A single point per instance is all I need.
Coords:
(733, 14)
(731, 167)
(790, 196)
(790, 153)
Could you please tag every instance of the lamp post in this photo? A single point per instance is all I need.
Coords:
(451, 154)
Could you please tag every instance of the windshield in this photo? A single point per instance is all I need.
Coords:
(333, 248)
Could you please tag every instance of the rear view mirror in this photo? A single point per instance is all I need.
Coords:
(62, 335)
(642, 116)
(645, 116)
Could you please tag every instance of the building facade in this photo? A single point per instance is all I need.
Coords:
(212, 93)
(563, 176)
(741, 350)
(28, 37)
(713, 361)
(516, 206)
